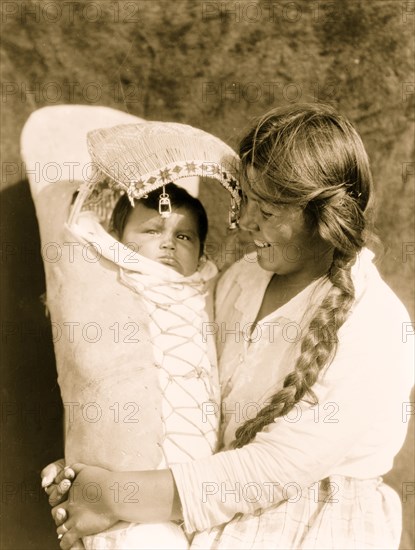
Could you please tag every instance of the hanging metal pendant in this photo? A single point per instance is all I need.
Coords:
(233, 215)
(164, 205)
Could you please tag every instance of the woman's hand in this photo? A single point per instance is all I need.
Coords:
(89, 507)
(50, 471)
(99, 498)
(56, 480)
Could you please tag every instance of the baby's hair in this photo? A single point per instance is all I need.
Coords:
(179, 198)
(308, 155)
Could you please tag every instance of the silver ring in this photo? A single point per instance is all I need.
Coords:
(65, 531)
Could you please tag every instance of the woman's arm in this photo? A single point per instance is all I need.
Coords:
(99, 498)
(359, 415)
(144, 497)
(56, 481)
(361, 394)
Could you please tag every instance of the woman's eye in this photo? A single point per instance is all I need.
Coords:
(265, 214)
(152, 231)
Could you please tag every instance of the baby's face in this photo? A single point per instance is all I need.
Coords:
(173, 241)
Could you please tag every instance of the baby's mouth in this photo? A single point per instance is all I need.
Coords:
(171, 262)
(168, 260)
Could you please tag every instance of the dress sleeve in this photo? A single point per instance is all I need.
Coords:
(366, 385)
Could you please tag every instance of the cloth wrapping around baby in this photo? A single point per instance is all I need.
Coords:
(104, 348)
(102, 344)
(185, 364)
(121, 411)
(186, 369)
(133, 398)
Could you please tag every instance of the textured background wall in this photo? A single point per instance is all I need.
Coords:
(214, 65)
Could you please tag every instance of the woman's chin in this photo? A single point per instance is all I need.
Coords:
(266, 259)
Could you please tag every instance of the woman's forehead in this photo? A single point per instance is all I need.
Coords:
(271, 204)
(252, 176)
(248, 184)
(256, 187)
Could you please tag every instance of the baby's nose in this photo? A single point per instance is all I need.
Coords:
(167, 241)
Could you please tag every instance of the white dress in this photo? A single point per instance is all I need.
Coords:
(312, 479)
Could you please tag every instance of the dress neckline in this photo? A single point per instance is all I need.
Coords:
(249, 303)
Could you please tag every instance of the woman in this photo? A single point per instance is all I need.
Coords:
(314, 370)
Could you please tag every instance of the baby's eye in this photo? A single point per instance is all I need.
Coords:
(184, 237)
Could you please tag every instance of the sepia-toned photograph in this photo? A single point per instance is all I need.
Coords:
(208, 274)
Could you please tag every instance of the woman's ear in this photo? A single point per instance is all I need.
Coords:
(311, 214)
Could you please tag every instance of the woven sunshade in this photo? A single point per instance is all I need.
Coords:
(138, 158)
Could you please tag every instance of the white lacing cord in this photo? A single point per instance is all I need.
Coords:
(207, 428)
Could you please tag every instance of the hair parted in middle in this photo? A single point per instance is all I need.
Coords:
(309, 156)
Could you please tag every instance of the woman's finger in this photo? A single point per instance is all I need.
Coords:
(78, 545)
(77, 467)
(67, 535)
(57, 498)
(65, 473)
(50, 471)
(58, 492)
(60, 516)
(64, 486)
(66, 541)
(59, 512)
(49, 489)
(54, 496)
(65, 528)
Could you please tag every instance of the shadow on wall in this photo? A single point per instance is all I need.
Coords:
(31, 402)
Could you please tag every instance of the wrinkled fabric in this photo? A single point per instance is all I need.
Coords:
(125, 403)
(186, 366)
(353, 433)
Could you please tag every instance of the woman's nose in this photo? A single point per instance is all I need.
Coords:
(248, 217)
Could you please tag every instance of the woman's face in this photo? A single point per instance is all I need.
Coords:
(284, 241)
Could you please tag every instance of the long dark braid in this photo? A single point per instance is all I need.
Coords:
(335, 204)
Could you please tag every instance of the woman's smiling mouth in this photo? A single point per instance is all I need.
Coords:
(261, 244)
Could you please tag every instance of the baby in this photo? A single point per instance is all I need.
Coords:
(140, 386)
(177, 309)
(176, 240)
(160, 258)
